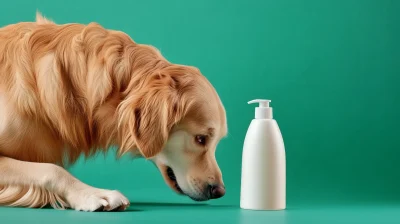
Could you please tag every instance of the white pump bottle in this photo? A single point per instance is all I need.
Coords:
(263, 181)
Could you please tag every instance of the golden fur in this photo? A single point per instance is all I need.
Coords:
(78, 89)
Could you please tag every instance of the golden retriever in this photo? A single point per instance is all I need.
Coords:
(72, 89)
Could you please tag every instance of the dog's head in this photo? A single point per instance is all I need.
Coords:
(176, 120)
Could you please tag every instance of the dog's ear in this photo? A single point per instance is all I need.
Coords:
(148, 115)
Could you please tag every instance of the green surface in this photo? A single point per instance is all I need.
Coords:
(186, 213)
(331, 69)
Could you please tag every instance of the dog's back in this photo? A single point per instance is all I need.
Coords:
(44, 98)
(33, 92)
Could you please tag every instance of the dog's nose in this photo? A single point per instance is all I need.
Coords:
(216, 191)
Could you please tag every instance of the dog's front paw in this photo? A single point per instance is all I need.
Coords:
(93, 199)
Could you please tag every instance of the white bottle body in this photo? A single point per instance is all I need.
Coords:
(263, 181)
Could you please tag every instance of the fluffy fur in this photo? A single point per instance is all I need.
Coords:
(70, 90)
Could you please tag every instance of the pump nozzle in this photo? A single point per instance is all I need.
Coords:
(262, 103)
(263, 111)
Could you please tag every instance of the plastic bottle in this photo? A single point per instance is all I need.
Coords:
(263, 180)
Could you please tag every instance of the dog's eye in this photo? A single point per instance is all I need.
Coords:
(201, 139)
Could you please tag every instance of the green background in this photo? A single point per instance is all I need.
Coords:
(331, 69)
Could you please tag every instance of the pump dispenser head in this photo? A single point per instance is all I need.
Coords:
(263, 111)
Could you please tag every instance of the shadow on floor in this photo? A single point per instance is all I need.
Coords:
(135, 205)
(167, 204)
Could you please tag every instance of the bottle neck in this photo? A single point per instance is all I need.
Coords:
(263, 113)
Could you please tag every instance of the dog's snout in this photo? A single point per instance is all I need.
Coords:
(216, 191)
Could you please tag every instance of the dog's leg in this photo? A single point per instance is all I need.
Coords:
(57, 180)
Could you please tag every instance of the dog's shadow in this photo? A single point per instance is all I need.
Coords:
(142, 206)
